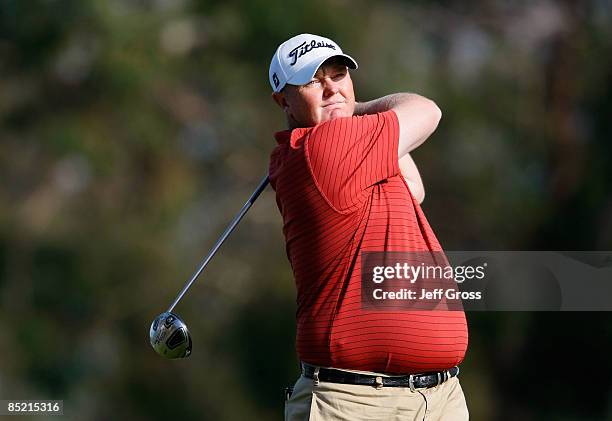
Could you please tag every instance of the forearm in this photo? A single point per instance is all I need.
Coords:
(384, 103)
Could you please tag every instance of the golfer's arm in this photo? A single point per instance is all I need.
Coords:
(418, 117)
(411, 173)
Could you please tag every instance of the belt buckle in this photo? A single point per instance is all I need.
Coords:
(378, 382)
(411, 382)
(315, 376)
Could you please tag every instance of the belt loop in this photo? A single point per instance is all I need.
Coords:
(315, 376)
(379, 382)
(411, 383)
(439, 378)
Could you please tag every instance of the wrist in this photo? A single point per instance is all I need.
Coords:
(360, 108)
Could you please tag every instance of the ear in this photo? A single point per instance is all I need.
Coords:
(279, 98)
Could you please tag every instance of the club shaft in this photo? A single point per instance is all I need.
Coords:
(221, 240)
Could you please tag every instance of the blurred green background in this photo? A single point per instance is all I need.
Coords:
(131, 131)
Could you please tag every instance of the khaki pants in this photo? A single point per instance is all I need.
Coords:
(347, 402)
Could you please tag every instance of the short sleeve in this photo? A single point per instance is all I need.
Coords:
(348, 155)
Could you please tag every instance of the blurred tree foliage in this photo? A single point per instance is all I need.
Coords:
(132, 130)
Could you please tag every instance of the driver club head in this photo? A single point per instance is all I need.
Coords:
(169, 336)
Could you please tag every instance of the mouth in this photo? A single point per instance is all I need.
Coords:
(334, 105)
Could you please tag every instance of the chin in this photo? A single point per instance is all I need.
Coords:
(336, 114)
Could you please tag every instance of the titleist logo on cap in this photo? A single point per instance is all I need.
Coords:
(305, 48)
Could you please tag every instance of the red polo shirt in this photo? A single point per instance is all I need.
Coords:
(340, 192)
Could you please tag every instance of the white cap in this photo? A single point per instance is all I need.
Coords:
(297, 60)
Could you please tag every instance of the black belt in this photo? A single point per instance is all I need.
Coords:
(413, 381)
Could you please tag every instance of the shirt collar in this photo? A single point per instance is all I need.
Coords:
(291, 136)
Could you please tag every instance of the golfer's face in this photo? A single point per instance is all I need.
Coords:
(327, 96)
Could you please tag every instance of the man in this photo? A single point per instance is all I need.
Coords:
(345, 184)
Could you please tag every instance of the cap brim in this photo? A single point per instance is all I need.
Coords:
(306, 74)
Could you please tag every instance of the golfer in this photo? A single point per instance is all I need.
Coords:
(345, 184)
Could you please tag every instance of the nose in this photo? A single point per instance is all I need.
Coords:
(331, 87)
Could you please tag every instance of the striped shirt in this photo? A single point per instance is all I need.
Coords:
(340, 192)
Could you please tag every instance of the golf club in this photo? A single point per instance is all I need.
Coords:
(168, 334)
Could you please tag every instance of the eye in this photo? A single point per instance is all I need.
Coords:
(338, 76)
(312, 82)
